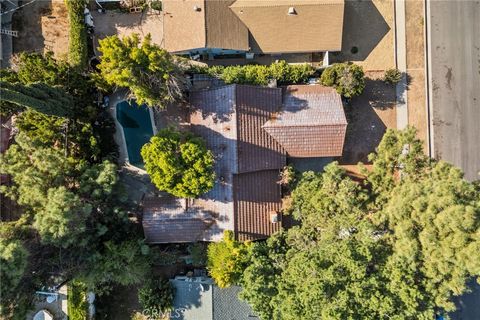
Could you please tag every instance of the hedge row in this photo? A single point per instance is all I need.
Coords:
(281, 71)
(77, 48)
(77, 301)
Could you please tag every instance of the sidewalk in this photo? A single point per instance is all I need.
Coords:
(401, 64)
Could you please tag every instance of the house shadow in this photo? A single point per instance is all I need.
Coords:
(363, 28)
(365, 128)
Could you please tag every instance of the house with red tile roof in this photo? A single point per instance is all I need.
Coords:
(252, 131)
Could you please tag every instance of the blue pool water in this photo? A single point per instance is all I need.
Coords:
(137, 128)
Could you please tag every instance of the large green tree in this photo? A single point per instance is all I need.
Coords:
(13, 258)
(62, 220)
(149, 72)
(399, 245)
(40, 97)
(61, 191)
(13, 264)
(75, 215)
(179, 163)
(54, 105)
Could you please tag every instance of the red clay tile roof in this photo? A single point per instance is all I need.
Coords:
(231, 118)
(312, 122)
(234, 121)
(256, 195)
(239, 112)
(256, 149)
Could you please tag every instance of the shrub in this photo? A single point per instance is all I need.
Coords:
(347, 78)
(227, 259)
(392, 76)
(179, 163)
(156, 5)
(77, 48)
(156, 297)
(199, 254)
(77, 301)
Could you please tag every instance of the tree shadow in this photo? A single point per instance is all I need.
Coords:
(363, 28)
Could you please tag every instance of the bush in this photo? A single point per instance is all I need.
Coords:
(347, 78)
(199, 253)
(77, 48)
(392, 76)
(227, 259)
(156, 5)
(179, 163)
(156, 297)
(281, 71)
(77, 301)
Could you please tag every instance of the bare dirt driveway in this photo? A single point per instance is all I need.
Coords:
(42, 26)
(455, 83)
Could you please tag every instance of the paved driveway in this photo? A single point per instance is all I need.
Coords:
(455, 83)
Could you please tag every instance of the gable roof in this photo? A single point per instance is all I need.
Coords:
(249, 131)
(227, 305)
(167, 219)
(230, 118)
(315, 25)
(194, 24)
(257, 150)
(312, 122)
(256, 195)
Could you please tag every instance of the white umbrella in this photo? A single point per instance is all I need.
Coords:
(43, 315)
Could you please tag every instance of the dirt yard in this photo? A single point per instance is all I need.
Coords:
(417, 113)
(114, 22)
(368, 116)
(43, 26)
(368, 28)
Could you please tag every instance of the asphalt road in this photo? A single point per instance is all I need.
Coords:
(455, 83)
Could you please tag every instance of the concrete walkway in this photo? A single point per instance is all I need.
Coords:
(401, 63)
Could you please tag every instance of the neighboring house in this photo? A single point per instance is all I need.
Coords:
(199, 299)
(255, 26)
(251, 131)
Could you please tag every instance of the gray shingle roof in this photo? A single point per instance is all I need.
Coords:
(227, 305)
(199, 299)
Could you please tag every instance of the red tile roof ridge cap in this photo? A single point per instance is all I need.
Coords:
(270, 124)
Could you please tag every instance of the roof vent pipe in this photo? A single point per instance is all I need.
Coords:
(197, 8)
(291, 11)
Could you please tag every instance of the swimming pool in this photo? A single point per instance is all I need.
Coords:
(137, 128)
